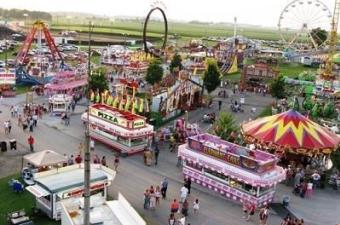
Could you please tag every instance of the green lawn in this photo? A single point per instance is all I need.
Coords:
(10, 201)
(294, 69)
(22, 89)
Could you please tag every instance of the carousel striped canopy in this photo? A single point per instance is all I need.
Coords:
(292, 130)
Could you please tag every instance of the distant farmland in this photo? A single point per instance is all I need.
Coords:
(156, 29)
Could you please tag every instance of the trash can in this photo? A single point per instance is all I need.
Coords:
(13, 144)
(3, 146)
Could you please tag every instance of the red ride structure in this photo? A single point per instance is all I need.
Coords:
(39, 27)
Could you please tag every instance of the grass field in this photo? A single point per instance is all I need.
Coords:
(156, 28)
(10, 201)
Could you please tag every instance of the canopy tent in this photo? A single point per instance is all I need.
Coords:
(45, 158)
(292, 131)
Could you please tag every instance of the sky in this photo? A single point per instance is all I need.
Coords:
(256, 12)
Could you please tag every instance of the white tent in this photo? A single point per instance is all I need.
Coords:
(45, 158)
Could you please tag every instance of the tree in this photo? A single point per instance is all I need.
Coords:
(277, 87)
(176, 63)
(319, 35)
(98, 80)
(307, 103)
(328, 110)
(154, 73)
(211, 78)
(225, 126)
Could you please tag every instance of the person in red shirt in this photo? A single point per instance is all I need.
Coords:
(174, 206)
(78, 159)
(30, 141)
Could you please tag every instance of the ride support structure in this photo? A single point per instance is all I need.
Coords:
(39, 27)
(328, 72)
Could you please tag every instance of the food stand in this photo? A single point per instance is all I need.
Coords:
(234, 171)
(60, 103)
(126, 132)
(7, 82)
(58, 184)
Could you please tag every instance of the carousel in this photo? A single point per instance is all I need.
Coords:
(290, 132)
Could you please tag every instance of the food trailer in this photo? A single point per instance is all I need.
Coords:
(53, 186)
(126, 132)
(7, 82)
(234, 171)
(59, 103)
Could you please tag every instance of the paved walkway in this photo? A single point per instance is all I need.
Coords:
(133, 177)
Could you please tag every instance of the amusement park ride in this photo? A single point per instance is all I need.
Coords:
(37, 32)
(328, 72)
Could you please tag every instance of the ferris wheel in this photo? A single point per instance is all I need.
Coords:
(299, 18)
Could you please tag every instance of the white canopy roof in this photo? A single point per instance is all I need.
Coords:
(45, 158)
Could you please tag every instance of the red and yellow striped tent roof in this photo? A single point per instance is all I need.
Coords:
(292, 130)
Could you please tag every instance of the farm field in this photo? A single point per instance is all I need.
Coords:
(156, 29)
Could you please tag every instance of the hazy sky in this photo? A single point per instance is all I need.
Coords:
(258, 12)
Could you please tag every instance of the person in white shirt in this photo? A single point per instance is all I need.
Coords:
(92, 145)
(184, 193)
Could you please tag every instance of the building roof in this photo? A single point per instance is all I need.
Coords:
(116, 112)
(70, 179)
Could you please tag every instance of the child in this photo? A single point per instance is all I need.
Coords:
(196, 206)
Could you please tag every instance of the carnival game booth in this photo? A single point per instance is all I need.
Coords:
(59, 103)
(53, 186)
(290, 132)
(7, 82)
(126, 132)
(236, 172)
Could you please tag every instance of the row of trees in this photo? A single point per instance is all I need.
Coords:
(19, 14)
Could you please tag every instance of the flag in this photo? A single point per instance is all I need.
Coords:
(98, 98)
(115, 102)
(109, 100)
(128, 103)
(92, 96)
(141, 105)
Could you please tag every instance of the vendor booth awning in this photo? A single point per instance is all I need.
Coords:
(45, 158)
(292, 131)
(37, 191)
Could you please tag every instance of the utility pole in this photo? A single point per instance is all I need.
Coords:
(87, 154)
(235, 26)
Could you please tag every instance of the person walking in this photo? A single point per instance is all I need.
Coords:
(251, 210)
(156, 151)
(31, 123)
(174, 207)
(264, 212)
(78, 159)
(116, 163)
(183, 193)
(188, 184)
(92, 145)
(172, 219)
(103, 162)
(158, 194)
(146, 199)
(30, 141)
(185, 208)
(9, 126)
(35, 119)
(152, 199)
(70, 160)
(196, 205)
(164, 188)
(219, 105)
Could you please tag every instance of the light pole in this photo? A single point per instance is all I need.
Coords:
(26, 25)
(87, 154)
